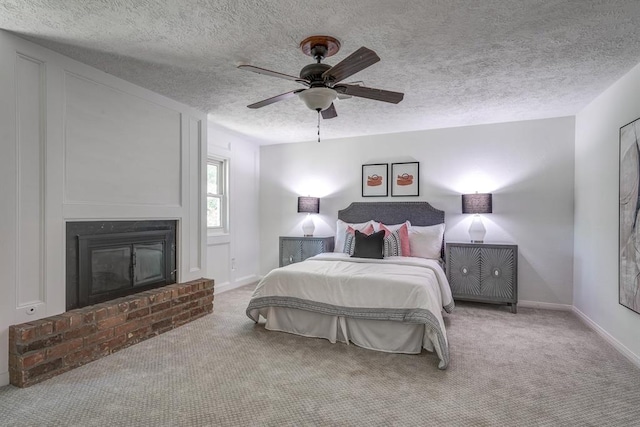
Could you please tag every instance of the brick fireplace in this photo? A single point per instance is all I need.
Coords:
(47, 347)
(120, 290)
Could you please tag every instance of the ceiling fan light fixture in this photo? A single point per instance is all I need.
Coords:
(318, 98)
(324, 81)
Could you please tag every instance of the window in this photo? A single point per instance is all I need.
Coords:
(216, 195)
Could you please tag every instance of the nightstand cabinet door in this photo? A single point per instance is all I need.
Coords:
(290, 251)
(483, 272)
(497, 273)
(296, 249)
(464, 270)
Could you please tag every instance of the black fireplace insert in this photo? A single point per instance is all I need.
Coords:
(118, 258)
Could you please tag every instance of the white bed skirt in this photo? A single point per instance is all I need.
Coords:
(386, 336)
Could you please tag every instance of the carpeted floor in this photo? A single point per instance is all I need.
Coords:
(535, 368)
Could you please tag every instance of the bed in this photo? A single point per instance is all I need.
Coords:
(393, 304)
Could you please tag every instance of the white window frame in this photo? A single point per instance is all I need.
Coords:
(223, 180)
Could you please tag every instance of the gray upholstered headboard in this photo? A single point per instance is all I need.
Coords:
(418, 213)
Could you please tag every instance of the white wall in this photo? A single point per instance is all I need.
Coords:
(528, 166)
(79, 144)
(596, 213)
(233, 258)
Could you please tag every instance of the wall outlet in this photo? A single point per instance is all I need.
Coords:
(233, 264)
(29, 312)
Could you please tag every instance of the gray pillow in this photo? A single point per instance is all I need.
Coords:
(369, 246)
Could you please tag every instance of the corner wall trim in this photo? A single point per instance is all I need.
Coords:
(633, 358)
(247, 280)
(545, 305)
(4, 378)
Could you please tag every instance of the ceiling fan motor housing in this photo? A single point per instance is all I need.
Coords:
(313, 73)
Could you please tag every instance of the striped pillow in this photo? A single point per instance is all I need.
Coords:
(396, 243)
(392, 243)
(350, 238)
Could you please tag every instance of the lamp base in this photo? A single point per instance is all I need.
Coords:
(308, 226)
(477, 230)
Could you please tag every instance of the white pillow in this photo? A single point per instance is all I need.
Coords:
(426, 242)
(341, 228)
(392, 227)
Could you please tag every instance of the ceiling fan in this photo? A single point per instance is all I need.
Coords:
(323, 81)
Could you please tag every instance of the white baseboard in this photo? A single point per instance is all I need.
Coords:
(4, 378)
(634, 358)
(228, 286)
(545, 305)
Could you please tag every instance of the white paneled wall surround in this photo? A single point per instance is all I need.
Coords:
(233, 257)
(79, 144)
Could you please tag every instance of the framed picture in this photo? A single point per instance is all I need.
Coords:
(405, 179)
(374, 180)
(628, 256)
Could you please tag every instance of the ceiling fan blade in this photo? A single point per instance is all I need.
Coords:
(370, 93)
(357, 61)
(330, 112)
(354, 83)
(275, 99)
(266, 72)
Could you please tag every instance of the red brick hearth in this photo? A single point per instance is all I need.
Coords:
(47, 347)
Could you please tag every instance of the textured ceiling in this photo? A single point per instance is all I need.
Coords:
(459, 62)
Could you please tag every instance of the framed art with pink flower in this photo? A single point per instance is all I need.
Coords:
(405, 179)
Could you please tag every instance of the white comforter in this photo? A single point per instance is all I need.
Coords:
(406, 289)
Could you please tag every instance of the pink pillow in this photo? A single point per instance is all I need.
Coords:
(367, 230)
(403, 232)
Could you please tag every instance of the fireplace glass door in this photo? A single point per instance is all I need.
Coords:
(115, 265)
(148, 263)
(110, 269)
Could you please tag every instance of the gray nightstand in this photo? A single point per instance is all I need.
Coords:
(483, 272)
(298, 248)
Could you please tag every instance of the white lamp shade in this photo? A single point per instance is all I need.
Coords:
(318, 98)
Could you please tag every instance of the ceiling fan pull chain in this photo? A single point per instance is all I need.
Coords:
(318, 125)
